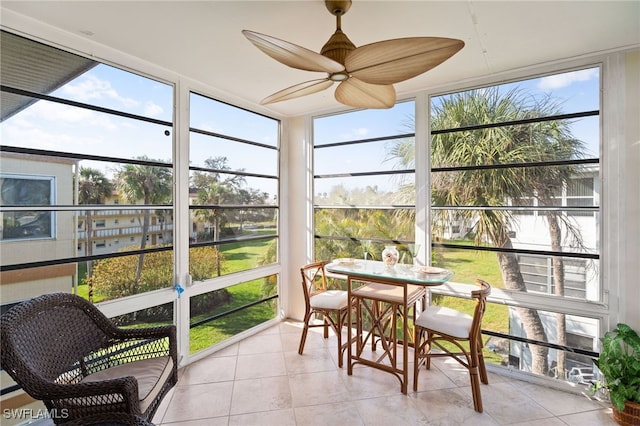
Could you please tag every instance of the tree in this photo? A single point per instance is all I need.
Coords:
(217, 167)
(115, 277)
(152, 185)
(361, 227)
(214, 190)
(93, 188)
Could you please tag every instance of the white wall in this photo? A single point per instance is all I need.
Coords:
(299, 212)
(630, 233)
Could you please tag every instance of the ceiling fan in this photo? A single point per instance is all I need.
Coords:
(365, 74)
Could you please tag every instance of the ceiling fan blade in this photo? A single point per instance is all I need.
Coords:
(358, 94)
(302, 89)
(292, 55)
(396, 60)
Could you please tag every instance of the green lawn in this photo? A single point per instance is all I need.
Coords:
(238, 257)
(468, 266)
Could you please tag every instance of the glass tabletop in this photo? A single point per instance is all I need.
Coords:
(425, 275)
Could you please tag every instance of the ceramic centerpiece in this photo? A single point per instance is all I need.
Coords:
(390, 256)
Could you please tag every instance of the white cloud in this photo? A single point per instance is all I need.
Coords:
(64, 114)
(92, 88)
(152, 109)
(209, 127)
(563, 80)
(355, 133)
(362, 131)
(33, 137)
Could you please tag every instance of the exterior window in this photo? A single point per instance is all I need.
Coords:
(101, 130)
(537, 272)
(362, 200)
(581, 192)
(234, 206)
(25, 190)
(514, 193)
(517, 167)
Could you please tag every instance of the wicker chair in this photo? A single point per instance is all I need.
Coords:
(319, 300)
(62, 350)
(439, 324)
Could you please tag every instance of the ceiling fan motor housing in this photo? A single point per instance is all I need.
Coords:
(337, 7)
(337, 47)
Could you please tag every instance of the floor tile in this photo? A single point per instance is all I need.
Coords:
(263, 381)
(211, 421)
(260, 365)
(450, 407)
(318, 388)
(556, 401)
(506, 404)
(398, 409)
(264, 394)
(260, 344)
(209, 370)
(602, 417)
(199, 401)
(284, 417)
(311, 361)
(339, 413)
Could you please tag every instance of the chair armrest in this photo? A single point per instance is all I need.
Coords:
(125, 386)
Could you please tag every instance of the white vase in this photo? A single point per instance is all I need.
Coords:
(390, 256)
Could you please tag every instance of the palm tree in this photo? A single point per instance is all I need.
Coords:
(214, 194)
(555, 142)
(152, 185)
(518, 144)
(93, 188)
(214, 190)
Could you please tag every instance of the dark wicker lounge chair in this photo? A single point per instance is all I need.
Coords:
(62, 350)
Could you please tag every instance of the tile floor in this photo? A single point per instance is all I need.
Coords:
(263, 381)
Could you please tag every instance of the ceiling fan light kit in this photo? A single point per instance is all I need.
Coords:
(365, 74)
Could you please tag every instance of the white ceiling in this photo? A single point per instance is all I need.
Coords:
(202, 40)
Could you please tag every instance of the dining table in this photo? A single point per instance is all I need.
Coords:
(381, 295)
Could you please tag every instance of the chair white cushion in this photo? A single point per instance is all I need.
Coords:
(330, 299)
(151, 375)
(445, 320)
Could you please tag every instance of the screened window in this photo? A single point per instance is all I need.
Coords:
(516, 168)
(78, 138)
(364, 182)
(234, 205)
(514, 200)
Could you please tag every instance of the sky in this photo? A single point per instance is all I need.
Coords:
(574, 91)
(46, 125)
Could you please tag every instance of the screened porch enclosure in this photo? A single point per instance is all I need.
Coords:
(163, 201)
